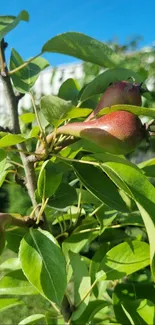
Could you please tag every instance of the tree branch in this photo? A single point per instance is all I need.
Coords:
(8, 219)
(3, 66)
(12, 101)
(5, 129)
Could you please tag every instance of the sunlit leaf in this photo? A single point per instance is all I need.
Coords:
(25, 78)
(11, 264)
(99, 185)
(7, 303)
(55, 109)
(124, 259)
(15, 283)
(27, 117)
(82, 283)
(80, 46)
(137, 110)
(48, 180)
(7, 23)
(69, 90)
(40, 251)
(11, 140)
(137, 186)
(32, 320)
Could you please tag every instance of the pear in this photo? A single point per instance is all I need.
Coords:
(118, 132)
(121, 92)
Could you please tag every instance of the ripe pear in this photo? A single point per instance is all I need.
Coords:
(121, 92)
(118, 132)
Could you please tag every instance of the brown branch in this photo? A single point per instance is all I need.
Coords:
(3, 67)
(6, 129)
(19, 96)
(12, 101)
(7, 219)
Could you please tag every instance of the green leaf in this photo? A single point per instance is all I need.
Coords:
(145, 310)
(27, 117)
(104, 317)
(82, 284)
(91, 310)
(34, 132)
(2, 239)
(69, 90)
(137, 110)
(3, 157)
(3, 161)
(134, 290)
(105, 157)
(78, 112)
(64, 197)
(11, 140)
(86, 145)
(48, 180)
(137, 312)
(11, 264)
(32, 320)
(77, 241)
(71, 151)
(40, 251)
(148, 167)
(124, 259)
(55, 109)
(95, 263)
(53, 318)
(114, 235)
(88, 198)
(82, 47)
(136, 185)
(41, 184)
(7, 303)
(15, 283)
(7, 23)
(3, 176)
(13, 237)
(25, 78)
(99, 185)
(105, 218)
(101, 82)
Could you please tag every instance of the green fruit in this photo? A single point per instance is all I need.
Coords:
(118, 132)
(122, 92)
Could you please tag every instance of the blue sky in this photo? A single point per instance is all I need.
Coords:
(103, 20)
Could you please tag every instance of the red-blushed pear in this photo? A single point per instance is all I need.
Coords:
(119, 132)
(121, 92)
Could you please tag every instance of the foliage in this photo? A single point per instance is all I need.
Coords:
(84, 241)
